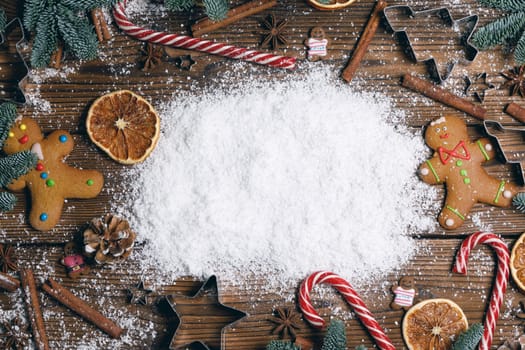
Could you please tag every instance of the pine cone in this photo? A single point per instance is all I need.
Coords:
(108, 239)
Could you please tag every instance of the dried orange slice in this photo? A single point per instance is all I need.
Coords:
(433, 324)
(124, 125)
(329, 5)
(517, 262)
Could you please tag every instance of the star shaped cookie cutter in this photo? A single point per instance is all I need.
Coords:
(469, 22)
(512, 151)
(18, 95)
(201, 307)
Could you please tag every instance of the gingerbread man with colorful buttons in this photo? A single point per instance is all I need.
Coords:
(52, 181)
(457, 162)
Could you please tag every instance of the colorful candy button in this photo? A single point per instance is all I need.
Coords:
(23, 127)
(39, 167)
(466, 181)
(50, 183)
(62, 138)
(43, 217)
(459, 163)
(463, 172)
(90, 182)
(11, 134)
(44, 175)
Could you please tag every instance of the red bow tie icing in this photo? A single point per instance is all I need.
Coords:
(445, 154)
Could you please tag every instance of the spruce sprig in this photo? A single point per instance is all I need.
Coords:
(16, 165)
(3, 20)
(282, 345)
(216, 10)
(7, 118)
(335, 338)
(519, 201)
(510, 28)
(7, 201)
(469, 339)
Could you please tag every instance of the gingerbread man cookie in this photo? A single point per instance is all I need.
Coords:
(457, 162)
(52, 181)
(74, 261)
(317, 44)
(404, 294)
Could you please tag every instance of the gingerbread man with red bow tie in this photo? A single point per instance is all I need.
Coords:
(457, 162)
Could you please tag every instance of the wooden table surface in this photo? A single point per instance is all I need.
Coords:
(59, 99)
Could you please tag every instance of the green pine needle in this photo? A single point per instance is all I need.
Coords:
(469, 339)
(519, 201)
(498, 32)
(87, 5)
(45, 41)
(335, 338)
(361, 347)
(519, 52)
(33, 9)
(179, 5)
(78, 34)
(216, 10)
(3, 20)
(282, 345)
(7, 201)
(506, 5)
(7, 118)
(16, 165)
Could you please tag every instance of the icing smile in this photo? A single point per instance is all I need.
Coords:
(23, 139)
(444, 136)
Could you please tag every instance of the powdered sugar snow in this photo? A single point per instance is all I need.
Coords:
(280, 180)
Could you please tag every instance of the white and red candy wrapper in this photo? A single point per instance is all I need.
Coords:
(500, 285)
(350, 295)
(197, 44)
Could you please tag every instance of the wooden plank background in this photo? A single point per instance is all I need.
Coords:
(70, 91)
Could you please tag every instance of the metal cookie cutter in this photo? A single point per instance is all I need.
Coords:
(510, 141)
(13, 72)
(204, 308)
(464, 27)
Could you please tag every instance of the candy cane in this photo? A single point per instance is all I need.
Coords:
(351, 297)
(188, 42)
(502, 277)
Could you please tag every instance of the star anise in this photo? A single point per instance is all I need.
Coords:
(287, 321)
(153, 55)
(7, 258)
(15, 335)
(515, 80)
(273, 32)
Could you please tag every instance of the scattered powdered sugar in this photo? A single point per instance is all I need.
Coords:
(278, 180)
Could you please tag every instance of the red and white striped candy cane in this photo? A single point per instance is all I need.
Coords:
(355, 301)
(197, 44)
(502, 277)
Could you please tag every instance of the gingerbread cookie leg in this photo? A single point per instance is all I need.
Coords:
(455, 210)
(45, 211)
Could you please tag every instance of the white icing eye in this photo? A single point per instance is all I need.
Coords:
(444, 128)
(438, 130)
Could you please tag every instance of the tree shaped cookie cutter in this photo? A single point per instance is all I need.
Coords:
(196, 309)
(469, 22)
(513, 147)
(18, 95)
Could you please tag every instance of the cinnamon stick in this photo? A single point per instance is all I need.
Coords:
(441, 95)
(206, 25)
(364, 41)
(71, 301)
(33, 309)
(56, 58)
(101, 27)
(8, 282)
(516, 111)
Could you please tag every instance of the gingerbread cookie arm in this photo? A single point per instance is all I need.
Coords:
(45, 210)
(482, 150)
(456, 208)
(82, 183)
(18, 185)
(61, 142)
(432, 171)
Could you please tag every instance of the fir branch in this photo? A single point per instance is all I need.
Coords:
(335, 338)
(3, 20)
(33, 9)
(16, 165)
(498, 32)
(519, 201)
(361, 347)
(469, 339)
(87, 5)
(519, 52)
(7, 118)
(7, 201)
(506, 5)
(46, 39)
(78, 34)
(179, 5)
(282, 345)
(216, 10)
